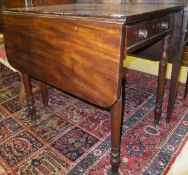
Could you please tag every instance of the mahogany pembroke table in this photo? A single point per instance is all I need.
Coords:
(80, 47)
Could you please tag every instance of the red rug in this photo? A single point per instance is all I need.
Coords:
(73, 137)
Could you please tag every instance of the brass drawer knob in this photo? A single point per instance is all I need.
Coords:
(164, 25)
(143, 33)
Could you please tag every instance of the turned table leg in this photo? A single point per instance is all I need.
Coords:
(28, 90)
(173, 90)
(22, 95)
(161, 80)
(44, 93)
(35, 89)
(116, 118)
(176, 67)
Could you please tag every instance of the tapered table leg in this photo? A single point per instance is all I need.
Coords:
(28, 90)
(116, 118)
(173, 87)
(174, 83)
(161, 79)
(22, 92)
(44, 93)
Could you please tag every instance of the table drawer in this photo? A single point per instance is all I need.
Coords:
(143, 31)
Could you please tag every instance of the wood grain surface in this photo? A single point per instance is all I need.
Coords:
(79, 57)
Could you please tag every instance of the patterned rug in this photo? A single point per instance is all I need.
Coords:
(73, 138)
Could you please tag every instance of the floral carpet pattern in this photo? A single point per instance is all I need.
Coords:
(72, 137)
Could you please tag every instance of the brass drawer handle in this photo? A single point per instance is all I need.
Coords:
(143, 33)
(164, 25)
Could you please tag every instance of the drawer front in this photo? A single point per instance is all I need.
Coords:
(143, 31)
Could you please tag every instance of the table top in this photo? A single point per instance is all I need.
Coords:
(52, 46)
(117, 13)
